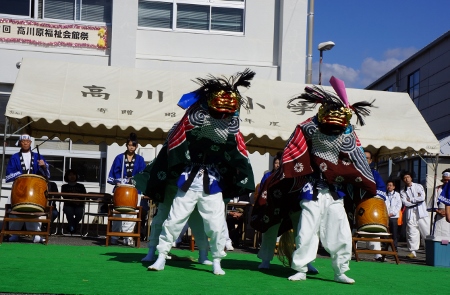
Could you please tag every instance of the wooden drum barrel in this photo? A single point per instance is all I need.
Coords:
(125, 198)
(29, 193)
(372, 216)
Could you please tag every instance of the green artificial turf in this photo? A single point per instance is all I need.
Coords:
(58, 269)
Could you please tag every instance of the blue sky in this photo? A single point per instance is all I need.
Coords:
(373, 36)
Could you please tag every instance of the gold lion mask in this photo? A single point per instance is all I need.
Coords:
(334, 116)
(224, 102)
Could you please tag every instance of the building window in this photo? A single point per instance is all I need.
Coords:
(390, 88)
(89, 170)
(198, 15)
(72, 10)
(414, 85)
(419, 170)
(155, 14)
(78, 10)
(16, 7)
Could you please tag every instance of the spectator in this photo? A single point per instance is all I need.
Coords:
(74, 210)
(394, 206)
(417, 224)
(235, 221)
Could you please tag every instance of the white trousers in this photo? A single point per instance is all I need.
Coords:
(195, 222)
(324, 218)
(416, 227)
(374, 246)
(158, 220)
(441, 227)
(211, 209)
(269, 238)
(124, 226)
(31, 226)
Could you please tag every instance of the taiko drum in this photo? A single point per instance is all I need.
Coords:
(125, 198)
(372, 216)
(29, 193)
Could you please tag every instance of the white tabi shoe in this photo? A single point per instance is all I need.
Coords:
(343, 279)
(159, 263)
(217, 268)
(229, 246)
(300, 276)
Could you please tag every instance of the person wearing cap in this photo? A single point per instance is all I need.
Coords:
(441, 227)
(124, 167)
(26, 162)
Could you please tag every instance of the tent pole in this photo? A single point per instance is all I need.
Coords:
(434, 194)
(3, 154)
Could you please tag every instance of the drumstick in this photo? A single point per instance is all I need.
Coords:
(39, 158)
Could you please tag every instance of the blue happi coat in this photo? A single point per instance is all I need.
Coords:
(14, 168)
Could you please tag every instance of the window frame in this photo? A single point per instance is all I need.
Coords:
(419, 168)
(233, 4)
(31, 8)
(34, 10)
(413, 86)
(390, 88)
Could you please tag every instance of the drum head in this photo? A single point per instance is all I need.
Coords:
(126, 185)
(31, 176)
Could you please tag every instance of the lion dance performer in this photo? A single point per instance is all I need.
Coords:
(206, 156)
(322, 162)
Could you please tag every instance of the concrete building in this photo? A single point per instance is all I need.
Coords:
(425, 77)
(221, 36)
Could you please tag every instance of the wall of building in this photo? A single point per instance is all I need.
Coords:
(273, 45)
(433, 101)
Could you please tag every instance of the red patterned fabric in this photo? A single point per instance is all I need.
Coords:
(242, 148)
(178, 136)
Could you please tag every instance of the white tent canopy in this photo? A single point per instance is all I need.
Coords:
(104, 104)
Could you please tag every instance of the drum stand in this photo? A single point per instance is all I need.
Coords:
(26, 217)
(136, 234)
(385, 238)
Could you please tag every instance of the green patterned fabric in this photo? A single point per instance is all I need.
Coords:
(226, 153)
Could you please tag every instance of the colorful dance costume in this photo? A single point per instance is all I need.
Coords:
(206, 156)
(322, 162)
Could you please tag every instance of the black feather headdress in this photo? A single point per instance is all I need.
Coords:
(329, 101)
(212, 84)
